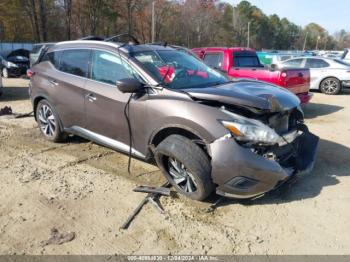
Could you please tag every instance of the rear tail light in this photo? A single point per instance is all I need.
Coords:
(30, 73)
(284, 74)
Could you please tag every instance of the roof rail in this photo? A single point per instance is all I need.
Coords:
(159, 43)
(116, 37)
(93, 37)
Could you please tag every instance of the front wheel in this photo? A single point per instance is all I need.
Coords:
(186, 166)
(330, 86)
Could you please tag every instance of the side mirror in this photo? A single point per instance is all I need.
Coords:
(273, 67)
(129, 85)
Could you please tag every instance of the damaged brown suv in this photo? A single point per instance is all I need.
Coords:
(205, 132)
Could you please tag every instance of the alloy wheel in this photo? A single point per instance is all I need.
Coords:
(330, 86)
(181, 176)
(47, 120)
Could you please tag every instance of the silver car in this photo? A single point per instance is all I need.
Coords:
(327, 75)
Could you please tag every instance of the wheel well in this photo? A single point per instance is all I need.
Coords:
(35, 104)
(164, 133)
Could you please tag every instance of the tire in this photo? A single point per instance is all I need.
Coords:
(186, 166)
(48, 122)
(5, 73)
(330, 86)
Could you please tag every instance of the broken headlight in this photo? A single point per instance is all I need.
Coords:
(250, 130)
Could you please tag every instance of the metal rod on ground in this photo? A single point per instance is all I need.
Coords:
(153, 194)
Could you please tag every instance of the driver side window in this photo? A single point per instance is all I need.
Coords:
(109, 68)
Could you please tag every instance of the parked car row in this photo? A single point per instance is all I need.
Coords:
(327, 75)
(329, 70)
(161, 104)
(244, 63)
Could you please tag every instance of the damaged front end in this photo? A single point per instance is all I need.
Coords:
(260, 154)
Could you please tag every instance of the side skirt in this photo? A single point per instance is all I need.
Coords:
(103, 140)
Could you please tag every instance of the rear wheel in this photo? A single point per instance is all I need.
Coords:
(5, 72)
(186, 166)
(330, 86)
(48, 122)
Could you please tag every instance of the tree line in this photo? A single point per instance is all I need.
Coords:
(190, 23)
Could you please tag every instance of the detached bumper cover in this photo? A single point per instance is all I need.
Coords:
(241, 173)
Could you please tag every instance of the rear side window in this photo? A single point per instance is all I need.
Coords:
(285, 57)
(213, 60)
(293, 62)
(36, 49)
(75, 62)
(315, 63)
(246, 59)
(109, 68)
(52, 57)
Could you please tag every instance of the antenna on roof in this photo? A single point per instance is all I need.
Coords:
(116, 37)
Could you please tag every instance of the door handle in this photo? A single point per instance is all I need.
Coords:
(300, 75)
(91, 97)
(53, 82)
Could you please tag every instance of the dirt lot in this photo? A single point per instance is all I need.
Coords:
(84, 188)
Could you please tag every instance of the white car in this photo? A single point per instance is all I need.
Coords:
(327, 75)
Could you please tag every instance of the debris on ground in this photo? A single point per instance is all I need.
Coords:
(58, 238)
(7, 110)
(153, 197)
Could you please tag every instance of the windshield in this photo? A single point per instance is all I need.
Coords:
(178, 70)
(17, 58)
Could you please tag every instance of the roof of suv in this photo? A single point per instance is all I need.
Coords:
(128, 48)
(234, 49)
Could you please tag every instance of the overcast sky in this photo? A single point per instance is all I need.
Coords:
(332, 15)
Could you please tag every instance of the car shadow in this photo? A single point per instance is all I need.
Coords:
(313, 110)
(73, 139)
(331, 163)
(14, 94)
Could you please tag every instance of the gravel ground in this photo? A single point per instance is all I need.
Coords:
(82, 188)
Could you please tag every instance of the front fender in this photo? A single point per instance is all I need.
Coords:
(199, 119)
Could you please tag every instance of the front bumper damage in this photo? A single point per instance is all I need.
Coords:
(241, 173)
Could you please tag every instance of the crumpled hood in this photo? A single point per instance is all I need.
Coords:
(248, 93)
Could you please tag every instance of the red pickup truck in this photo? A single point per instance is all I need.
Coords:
(240, 62)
